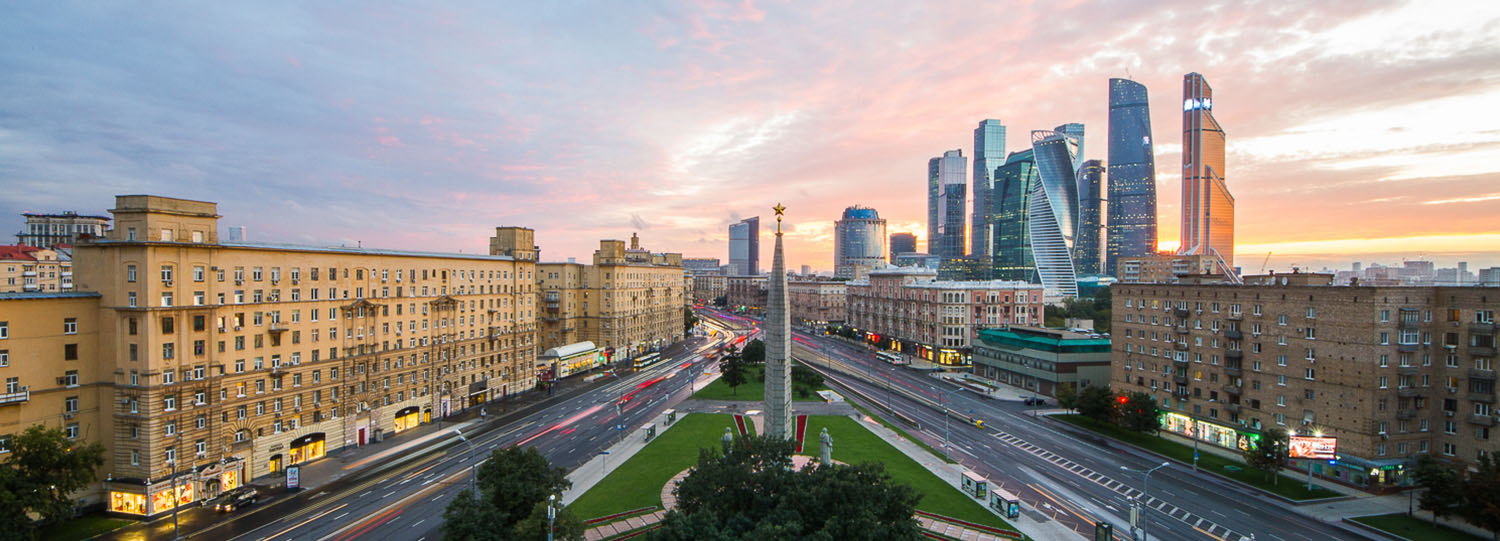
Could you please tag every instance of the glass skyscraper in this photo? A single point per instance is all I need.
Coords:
(1074, 129)
(859, 241)
(1132, 176)
(989, 153)
(744, 247)
(946, 198)
(1009, 215)
(1207, 205)
(1053, 211)
(1086, 249)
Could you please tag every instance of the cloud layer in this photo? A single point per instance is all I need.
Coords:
(419, 127)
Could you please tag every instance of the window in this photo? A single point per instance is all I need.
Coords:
(1309, 374)
(168, 377)
(171, 454)
(169, 403)
(72, 430)
(4, 358)
(166, 299)
(70, 325)
(130, 273)
(70, 378)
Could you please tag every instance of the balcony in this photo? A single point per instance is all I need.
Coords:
(1181, 329)
(1407, 370)
(1232, 408)
(1409, 392)
(1234, 334)
(1407, 348)
(1180, 366)
(1482, 351)
(1234, 371)
(1406, 414)
(1482, 420)
(1180, 346)
(1407, 324)
(1477, 396)
(1234, 354)
(1181, 394)
(277, 327)
(1180, 377)
(1232, 389)
(1180, 312)
(1487, 329)
(1236, 316)
(22, 394)
(1479, 373)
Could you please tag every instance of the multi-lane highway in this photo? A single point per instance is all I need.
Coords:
(1072, 478)
(403, 497)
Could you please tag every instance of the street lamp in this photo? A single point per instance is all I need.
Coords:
(944, 403)
(1146, 493)
(176, 500)
(474, 468)
(551, 514)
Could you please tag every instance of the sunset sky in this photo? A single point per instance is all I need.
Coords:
(1357, 130)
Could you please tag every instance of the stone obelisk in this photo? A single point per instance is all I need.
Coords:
(778, 346)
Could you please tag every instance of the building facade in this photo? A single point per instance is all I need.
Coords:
(906, 309)
(31, 269)
(707, 287)
(1041, 360)
(1392, 372)
(1207, 205)
(859, 242)
(902, 243)
(52, 230)
(744, 247)
(1088, 253)
(1163, 268)
(989, 153)
(746, 293)
(1132, 175)
(814, 303)
(1052, 213)
(946, 203)
(222, 362)
(701, 265)
(629, 301)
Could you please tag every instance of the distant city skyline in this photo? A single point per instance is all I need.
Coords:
(453, 120)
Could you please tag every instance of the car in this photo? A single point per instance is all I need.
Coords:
(235, 499)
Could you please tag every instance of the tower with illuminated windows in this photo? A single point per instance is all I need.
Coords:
(1207, 205)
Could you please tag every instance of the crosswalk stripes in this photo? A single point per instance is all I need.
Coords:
(1168, 509)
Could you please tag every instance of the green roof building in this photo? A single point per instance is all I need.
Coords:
(1041, 360)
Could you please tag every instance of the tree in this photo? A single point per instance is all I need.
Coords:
(751, 493)
(1096, 402)
(565, 527)
(689, 320)
(732, 369)
(468, 519)
(721, 301)
(1481, 490)
(1270, 454)
(805, 380)
(1444, 492)
(1067, 397)
(43, 468)
(515, 479)
(755, 352)
(1138, 413)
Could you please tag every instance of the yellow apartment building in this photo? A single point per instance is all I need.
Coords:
(627, 302)
(31, 269)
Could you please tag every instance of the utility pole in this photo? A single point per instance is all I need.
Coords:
(1145, 495)
(551, 514)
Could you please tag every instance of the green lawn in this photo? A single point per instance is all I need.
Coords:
(903, 433)
(1415, 528)
(638, 482)
(854, 444)
(1289, 487)
(82, 528)
(753, 389)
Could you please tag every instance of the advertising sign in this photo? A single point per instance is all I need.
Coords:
(1312, 447)
(293, 477)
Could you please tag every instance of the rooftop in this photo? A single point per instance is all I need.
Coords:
(48, 295)
(328, 249)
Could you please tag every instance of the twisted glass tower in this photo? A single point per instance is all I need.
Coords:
(1207, 205)
(1132, 176)
(1053, 211)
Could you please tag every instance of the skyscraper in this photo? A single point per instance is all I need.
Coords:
(989, 153)
(1086, 249)
(1132, 175)
(946, 195)
(744, 247)
(1010, 205)
(859, 241)
(1053, 212)
(902, 243)
(1207, 205)
(1074, 129)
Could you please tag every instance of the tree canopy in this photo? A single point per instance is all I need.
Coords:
(1096, 308)
(732, 369)
(751, 493)
(689, 320)
(1138, 413)
(1269, 454)
(43, 468)
(1097, 403)
(755, 352)
(513, 484)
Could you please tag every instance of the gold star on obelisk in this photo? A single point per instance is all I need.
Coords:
(779, 210)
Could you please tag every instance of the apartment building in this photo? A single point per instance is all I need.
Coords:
(1392, 372)
(202, 365)
(936, 320)
(816, 302)
(52, 230)
(707, 287)
(1162, 268)
(627, 302)
(31, 269)
(748, 294)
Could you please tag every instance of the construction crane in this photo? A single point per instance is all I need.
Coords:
(1263, 263)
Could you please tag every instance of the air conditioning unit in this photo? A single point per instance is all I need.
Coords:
(167, 283)
(239, 281)
(237, 327)
(69, 414)
(1447, 413)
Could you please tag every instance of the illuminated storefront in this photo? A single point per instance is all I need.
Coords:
(1210, 433)
(306, 449)
(408, 418)
(127, 502)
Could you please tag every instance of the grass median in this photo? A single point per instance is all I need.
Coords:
(903, 433)
(637, 483)
(1288, 487)
(754, 388)
(1414, 528)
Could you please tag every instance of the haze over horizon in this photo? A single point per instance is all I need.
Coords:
(1357, 131)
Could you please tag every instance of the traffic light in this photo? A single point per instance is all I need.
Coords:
(1123, 400)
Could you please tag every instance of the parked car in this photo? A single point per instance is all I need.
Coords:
(1034, 401)
(235, 499)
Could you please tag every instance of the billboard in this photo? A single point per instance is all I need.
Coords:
(1312, 447)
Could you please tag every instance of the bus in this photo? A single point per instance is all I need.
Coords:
(891, 358)
(646, 360)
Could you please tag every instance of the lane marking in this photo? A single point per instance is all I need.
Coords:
(300, 524)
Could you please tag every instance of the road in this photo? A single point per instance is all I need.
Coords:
(404, 499)
(1065, 476)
